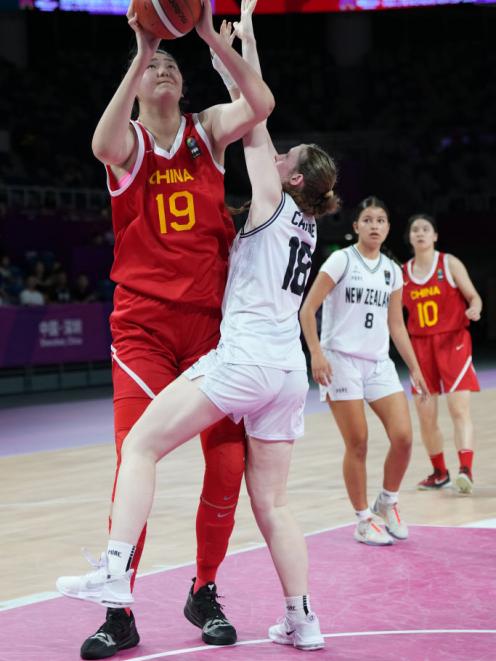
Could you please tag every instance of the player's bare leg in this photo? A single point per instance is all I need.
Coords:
(459, 408)
(176, 415)
(350, 418)
(266, 479)
(433, 441)
(394, 415)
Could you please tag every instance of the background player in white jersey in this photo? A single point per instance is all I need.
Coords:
(360, 290)
(257, 372)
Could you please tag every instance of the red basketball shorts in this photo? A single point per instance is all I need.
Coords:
(152, 344)
(446, 361)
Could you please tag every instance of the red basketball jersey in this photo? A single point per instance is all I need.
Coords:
(434, 303)
(172, 230)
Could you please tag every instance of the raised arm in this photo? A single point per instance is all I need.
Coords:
(229, 122)
(466, 287)
(114, 141)
(244, 30)
(259, 152)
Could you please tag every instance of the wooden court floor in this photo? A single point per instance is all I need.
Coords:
(54, 503)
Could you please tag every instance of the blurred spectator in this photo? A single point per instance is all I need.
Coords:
(82, 292)
(11, 279)
(60, 292)
(6, 271)
(30, 295)
(3, 296)
(43, 279)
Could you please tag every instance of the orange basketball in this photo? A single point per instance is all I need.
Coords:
(168, 19)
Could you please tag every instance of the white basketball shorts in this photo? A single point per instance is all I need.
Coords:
(271, 401)
(358, 378)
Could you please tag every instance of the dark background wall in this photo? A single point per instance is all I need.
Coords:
(405, 100)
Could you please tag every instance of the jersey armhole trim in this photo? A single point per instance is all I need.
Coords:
(449, 275)
(268, 222)
(396, 269)
(130, 177)
(203, 134)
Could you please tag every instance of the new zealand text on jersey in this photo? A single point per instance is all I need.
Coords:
(377, 297)
(299, 221)
(171, 176)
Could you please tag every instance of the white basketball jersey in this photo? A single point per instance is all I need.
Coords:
(355, 313)
(268, 270)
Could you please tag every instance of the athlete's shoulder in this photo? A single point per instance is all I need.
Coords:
(397, 275)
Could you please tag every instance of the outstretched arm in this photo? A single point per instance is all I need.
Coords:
(114, 141)
(259, 151)
(244, 30)
(229, 122)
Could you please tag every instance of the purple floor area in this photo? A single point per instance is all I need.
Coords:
(54, 426)
(428, 598)
(27, 429)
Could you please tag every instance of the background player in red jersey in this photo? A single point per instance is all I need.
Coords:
(172, 239)
(436, 293)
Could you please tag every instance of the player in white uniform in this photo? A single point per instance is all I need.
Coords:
(257, 372)
(360, 290)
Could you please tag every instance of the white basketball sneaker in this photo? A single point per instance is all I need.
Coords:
(303, 634)
(391, 517)
(371, 534)
(98, 585)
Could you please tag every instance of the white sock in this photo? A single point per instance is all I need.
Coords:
(297, 608)
(363, 515)
(389, 497)
(119, 557)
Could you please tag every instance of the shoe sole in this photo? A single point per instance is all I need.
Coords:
(401, 539)
(305, 647)
(210, 640)
(133, 641)
(219, 642)
(438, 488)
(368, 543)
(98, 600)
(464, 484)
(317, 644)
(434, 488)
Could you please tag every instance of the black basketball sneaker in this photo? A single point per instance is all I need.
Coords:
(204, 611)
(118, 632)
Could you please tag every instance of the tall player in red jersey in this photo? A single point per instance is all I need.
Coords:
(441, 301)
(172, 239)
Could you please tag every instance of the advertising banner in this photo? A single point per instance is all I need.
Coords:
(52, 334)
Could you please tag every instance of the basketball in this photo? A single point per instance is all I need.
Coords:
(168, 19)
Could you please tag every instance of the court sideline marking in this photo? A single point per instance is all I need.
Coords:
(47, 596)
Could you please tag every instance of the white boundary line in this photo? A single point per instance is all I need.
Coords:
(47, 596)
(202, 648)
